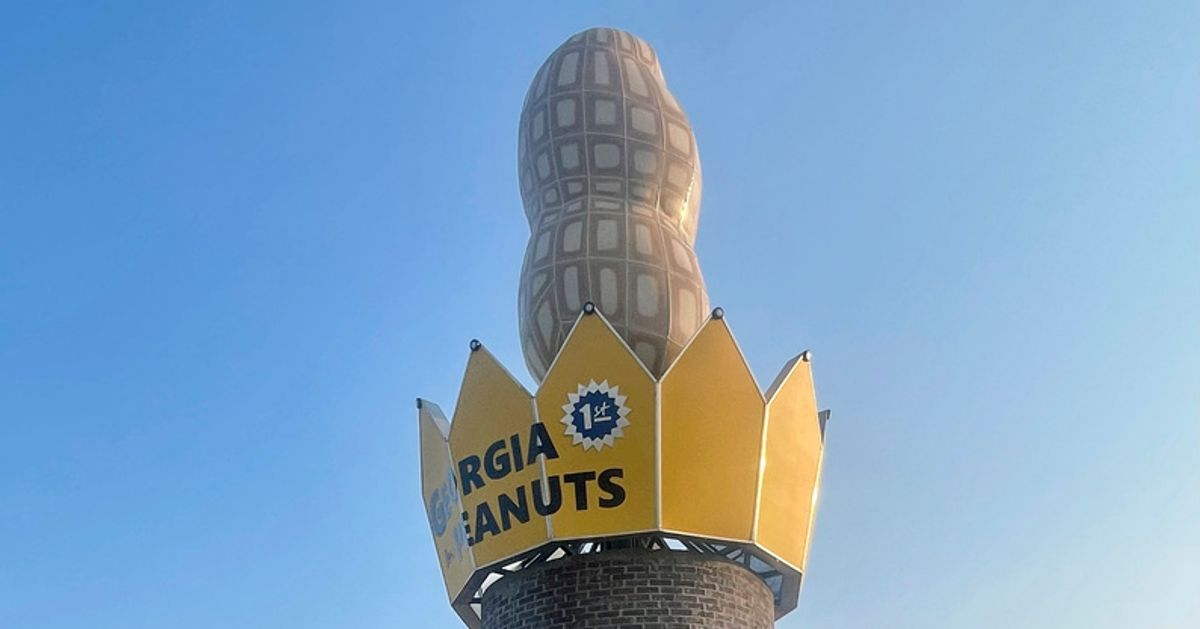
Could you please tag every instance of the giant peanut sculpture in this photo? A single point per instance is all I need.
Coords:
(647, 480)
(610, 179)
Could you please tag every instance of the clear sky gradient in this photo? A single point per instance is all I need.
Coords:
(238, 241)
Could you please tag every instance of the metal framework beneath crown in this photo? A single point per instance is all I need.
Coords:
(762, 565)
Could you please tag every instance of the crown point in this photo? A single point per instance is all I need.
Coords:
(475, 345)
(806, 356)
(589, 308)
(718, 313)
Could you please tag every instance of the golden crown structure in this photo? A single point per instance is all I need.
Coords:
(604, 453)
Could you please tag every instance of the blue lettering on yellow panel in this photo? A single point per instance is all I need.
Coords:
(505, 456)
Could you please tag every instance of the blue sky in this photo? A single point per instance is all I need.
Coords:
(238, 241)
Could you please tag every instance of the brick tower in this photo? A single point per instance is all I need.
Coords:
(631, 588)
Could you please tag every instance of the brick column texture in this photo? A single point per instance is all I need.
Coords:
(630, 589)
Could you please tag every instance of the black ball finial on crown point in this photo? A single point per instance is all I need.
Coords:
(718, 313)
(475, 345)
(589, 308)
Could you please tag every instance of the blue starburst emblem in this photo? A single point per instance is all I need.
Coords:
(595, 415)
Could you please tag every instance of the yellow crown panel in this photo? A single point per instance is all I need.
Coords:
(597, 402)
(443, 504)
(792, 460)
(496, 447)
(711, 418)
